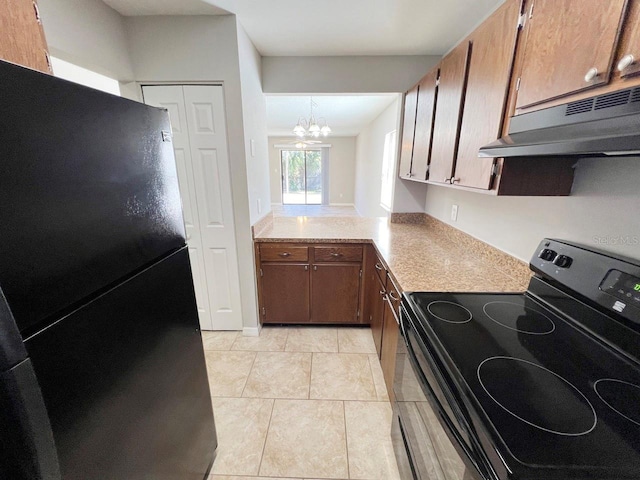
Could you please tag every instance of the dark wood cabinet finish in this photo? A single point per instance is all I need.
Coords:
(408, 131)
(492, 55)
(377, 299)
(453, 78)
(564, 40)
(310, 283)
(285, 293)
(335, 293)
(22, 38)
(284, 253)
(389, 347)
(424, 125)
(337, 254)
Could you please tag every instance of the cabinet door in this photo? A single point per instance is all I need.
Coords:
(391, 331)
(565, 39)
(21, 35)
(408, 130)
(628, 61)
(424, 125)
(377, 313)
(453, 76)
(285, 293)
(335, 293)
(492, 53)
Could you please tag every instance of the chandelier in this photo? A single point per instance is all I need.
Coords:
(310, 127)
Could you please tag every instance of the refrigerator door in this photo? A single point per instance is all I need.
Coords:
(88, 189)
(125, 383)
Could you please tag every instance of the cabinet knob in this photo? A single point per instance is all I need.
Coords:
(591, 74)
(393, 297)
(625, 62)
(284, 254)
(378, 267)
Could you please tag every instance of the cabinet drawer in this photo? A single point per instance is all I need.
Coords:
(283, 253)
(337, 254)
(381, 271)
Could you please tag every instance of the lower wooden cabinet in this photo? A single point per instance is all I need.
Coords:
(390, 334)
(310, 283)
(335, 293)
(376, 318)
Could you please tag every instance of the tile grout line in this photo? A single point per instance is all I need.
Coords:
(310, 377)
(346, 440)
(255, 355)
(375, 385)
(264, 445)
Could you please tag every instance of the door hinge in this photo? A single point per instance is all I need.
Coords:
(264, 311)
(494, 170)
(522, 19)
(438, 81)
(261, 273)
(518, 84)
(358, 314)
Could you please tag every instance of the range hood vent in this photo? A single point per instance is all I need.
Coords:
(608, 124)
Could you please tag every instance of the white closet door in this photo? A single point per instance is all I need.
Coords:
(199, 137)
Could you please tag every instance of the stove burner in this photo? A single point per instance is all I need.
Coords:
(449, 312)
(519, 318)
(537, 396)
(621, 397)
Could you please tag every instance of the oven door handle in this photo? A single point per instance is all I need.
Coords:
(473, 451)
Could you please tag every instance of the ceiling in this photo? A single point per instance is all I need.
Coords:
(347, 115)
(336, 27)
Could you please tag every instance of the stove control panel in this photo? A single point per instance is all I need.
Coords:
(623, 286)
(611, 282)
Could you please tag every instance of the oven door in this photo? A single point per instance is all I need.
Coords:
(430, 436)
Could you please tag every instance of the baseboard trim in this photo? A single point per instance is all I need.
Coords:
(342, 205)
(251, 332)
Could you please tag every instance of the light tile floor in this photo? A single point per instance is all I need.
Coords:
(299, 403)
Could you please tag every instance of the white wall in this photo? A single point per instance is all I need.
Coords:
(87, 33)
(342, 166)
(602, 211)
(205, 49)
(254, 109)
(369, 153)
(348, 74)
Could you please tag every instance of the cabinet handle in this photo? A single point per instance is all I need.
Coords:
(591, 75)
(378, 267)
(285, 254)
(335, 255)
(383, 293)
(625, 62)
(454, 180)
(447, 180)
(393, 297)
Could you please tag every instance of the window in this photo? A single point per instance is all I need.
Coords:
(80, 75)
(301, 177)
(388, 164)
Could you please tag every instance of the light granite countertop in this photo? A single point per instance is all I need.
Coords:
(425, 256)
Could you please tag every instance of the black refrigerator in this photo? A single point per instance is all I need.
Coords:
(102, 370)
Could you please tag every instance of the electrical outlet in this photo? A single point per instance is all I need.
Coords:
(454, 213)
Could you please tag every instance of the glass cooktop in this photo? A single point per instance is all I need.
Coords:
(553, 395)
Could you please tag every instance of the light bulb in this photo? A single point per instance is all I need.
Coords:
(326, 130)
(299, 130)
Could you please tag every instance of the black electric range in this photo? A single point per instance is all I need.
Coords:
(540, 385)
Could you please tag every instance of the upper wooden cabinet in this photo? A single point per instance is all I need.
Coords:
(451, 88)
(408, 131)
(425, 115)
(492, 52)
(21, 35)
(569, 46)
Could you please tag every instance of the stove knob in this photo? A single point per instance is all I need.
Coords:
(562, 261)
(547, 254)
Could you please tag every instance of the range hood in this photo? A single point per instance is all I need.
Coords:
(606, 125)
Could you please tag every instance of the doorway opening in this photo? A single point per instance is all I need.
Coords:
(301, 177)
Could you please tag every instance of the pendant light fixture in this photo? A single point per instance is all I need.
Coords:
(310, 127)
